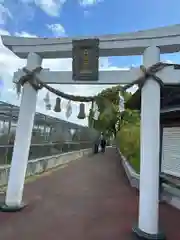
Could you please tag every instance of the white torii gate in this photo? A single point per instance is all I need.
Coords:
(148, 43)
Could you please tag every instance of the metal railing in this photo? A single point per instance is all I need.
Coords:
(43, 150)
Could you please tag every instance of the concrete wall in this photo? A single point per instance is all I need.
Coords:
(170, 195)
(40, 165)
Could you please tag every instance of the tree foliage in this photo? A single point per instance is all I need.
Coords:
(110, 119)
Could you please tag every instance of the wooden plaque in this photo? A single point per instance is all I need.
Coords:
(85, 64)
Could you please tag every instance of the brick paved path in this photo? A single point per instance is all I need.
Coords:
(88, 200)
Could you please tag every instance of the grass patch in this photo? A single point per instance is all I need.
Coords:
(135, 163)
(129, 141)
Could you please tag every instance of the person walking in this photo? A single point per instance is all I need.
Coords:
(103, 143)
(96, 146)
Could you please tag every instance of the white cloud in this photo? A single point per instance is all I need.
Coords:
(86, 3)
(25, 34)
(50, 7)
(4, 14)
(4, 32)
(54, 7)
(57, 29)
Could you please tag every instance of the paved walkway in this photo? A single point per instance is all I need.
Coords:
(88, 200)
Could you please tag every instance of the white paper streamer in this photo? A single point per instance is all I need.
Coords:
(96, 115)
(68, 109)
(47, 101)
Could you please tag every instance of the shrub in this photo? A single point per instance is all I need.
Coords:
(129, 141)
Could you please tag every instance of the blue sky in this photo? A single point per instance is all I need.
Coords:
(56, 18)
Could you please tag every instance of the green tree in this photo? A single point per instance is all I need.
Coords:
(110, 119)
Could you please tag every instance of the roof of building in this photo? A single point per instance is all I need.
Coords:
(170, 97)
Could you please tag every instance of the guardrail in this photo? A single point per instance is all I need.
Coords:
(43, 150)
(40, 165)
(166, 179)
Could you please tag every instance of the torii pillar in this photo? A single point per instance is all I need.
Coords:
(13, 201)
(148, 224)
